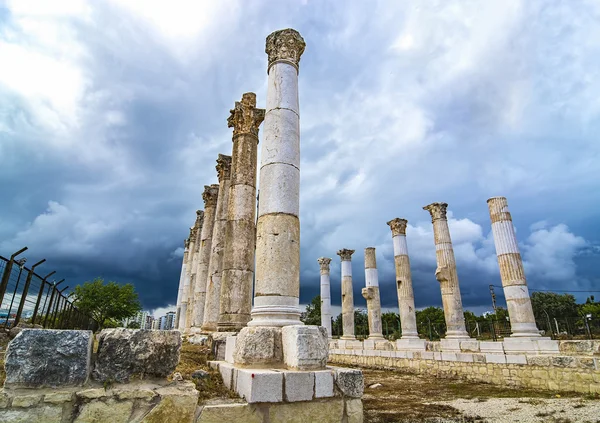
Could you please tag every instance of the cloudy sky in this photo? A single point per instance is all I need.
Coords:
(112, 115)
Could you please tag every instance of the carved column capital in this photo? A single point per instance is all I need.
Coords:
(193, 233)
(199, 218)
(223, 167)
(245, 118)
(186, 243)
(210, 195)
(345, 254)
(324, 262)
(398, 226)
(285, 45)
(437, 211)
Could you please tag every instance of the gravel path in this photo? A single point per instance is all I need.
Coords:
(501, 410)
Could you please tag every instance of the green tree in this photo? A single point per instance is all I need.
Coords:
(361, 323)
(431, 322)
(336, 326)
(107, 302)
(556, 305)
(312, 315)
(390, 323)
(590, 307)
(133, 325)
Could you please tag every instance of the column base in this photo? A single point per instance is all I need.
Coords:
(275, 316)
(376, 337)
(536, 345)
(348, 337)
(411, 344)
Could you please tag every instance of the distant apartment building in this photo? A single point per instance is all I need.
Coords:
(167, 322)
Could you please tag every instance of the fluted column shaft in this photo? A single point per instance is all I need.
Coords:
(514, 283)
(446, 273)
(180, 291)
(187, 299)
(240, 232)
(215, 265)
(406, 296)
(347, 294)
(277, 285)
(325, 294)
(371, 294)
(210, 196)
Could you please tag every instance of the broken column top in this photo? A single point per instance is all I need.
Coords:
(245, 117)
(398, 226)
(285, 45)
(437, 210)
(345, 254)
(210, 195)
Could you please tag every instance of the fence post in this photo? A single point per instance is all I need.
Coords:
(64, 307)
(54, 285)
(21, 264)
(39, 298)
(25, 291)
(6, 274)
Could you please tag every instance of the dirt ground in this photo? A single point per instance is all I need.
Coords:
(415, 398)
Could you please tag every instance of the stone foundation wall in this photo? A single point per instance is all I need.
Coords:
(547, 372)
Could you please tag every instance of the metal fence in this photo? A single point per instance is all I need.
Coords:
(27, 297)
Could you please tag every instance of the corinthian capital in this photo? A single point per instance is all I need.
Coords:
(398, 226)
(223, 167)
(210, 195)
(437, 210)
(345, 255)
(186, 243)
(199, 219)
(193, 233)
(324, 262)
(245, 118)
(285, 45)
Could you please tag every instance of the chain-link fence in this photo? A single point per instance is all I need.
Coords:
(28, 297)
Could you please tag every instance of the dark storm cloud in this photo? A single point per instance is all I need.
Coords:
(106, 145)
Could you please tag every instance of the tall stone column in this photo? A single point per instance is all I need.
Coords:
(325, 294)
(181, 282)
(210, 196)
(347, 294)
(520, 311)
(406, 296)
(371, 294)
(240, 231)
(187, 299)
(215, 266)
(446, 273)
(277, 285)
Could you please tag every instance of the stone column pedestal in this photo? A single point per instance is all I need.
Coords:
(518, 302)
(371, 294)
(446, 273)
(215, 266)
(406, 296)
(209, 196)
(325, 294)
(347, 294)
(240, 233)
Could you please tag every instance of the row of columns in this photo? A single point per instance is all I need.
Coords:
(512, 275)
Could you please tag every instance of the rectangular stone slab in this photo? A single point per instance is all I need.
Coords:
(48, 358)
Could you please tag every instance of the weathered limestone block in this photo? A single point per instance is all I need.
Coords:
(258, 345)
(349, 381)
(305, 347)
(58, 397)
(127, 353)
(26, 401)
(101, 412)
(299, 386)
(222, 413)
(354, 410)
(48, 358)
(177, 404)
(256, 385)
(46, 414)
(325, 411)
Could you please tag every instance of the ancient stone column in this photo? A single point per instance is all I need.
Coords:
(347, 295)
(210, 196)
(215, 266)
(325, 294)
(406, 297)
(446, 272)
(520, 312)
(277, 285)
(240, 232)
(181, 282)
(371, 294)
(188, 294)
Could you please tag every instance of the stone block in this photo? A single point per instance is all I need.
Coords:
(4, 400)
(411, 344)
(94, 393)
(449, 344)
(223, 413)
(138, 393)
(305, 347)
(563, 361)
(26, 401)
(354, 410)
(46, 414)
(258, 345)
(400, 354)
(384, 345)
(177, 404)
(214, 364)
(491, 347)
(469, 346)
(58, 397)
(463, 357)
(257, 385)
(448, 356)
(536, 360)
(321, 411)
(349, 381)
(576, 347)
(227, 373)
(369, 344)
(547, 346)
(586, 363)
(495, 358)
(134, 353)
(298, 386)
(48, 358)
(101, 412)
(230, 348)
(479, 358)
(516, 359)
(324, 383)
(427, 355)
